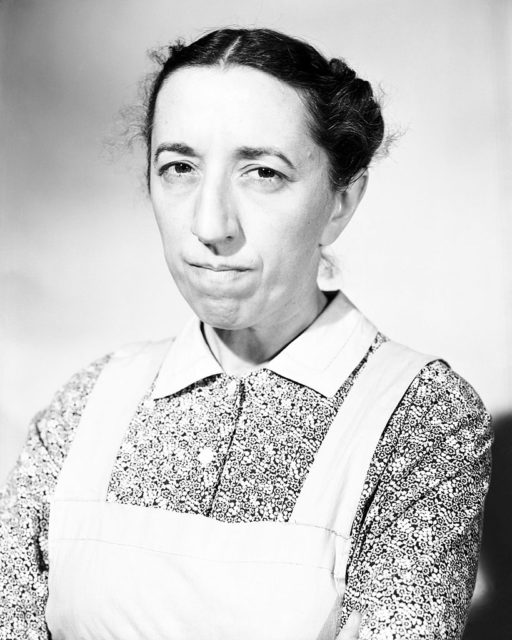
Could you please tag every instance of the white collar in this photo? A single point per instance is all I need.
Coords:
(321, 357)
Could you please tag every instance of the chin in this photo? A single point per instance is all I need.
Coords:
(222, 314)
(228, 304)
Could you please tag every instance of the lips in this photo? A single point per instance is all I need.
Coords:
(211, 279)
(219, 267)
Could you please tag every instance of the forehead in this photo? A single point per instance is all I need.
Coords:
(232, 103)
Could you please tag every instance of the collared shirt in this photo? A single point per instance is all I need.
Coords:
(320, 357)
(238, 448)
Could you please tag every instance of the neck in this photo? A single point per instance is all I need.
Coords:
(243, 350)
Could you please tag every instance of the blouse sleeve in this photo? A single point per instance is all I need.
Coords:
(417, 533)
(24, 509)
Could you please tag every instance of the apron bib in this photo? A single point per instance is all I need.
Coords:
(124, 572)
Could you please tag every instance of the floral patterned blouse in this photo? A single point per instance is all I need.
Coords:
(239, 449)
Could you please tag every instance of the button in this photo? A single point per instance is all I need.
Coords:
(232, 387)
(205, 456)
(148, 404)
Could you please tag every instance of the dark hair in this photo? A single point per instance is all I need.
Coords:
(345, 117)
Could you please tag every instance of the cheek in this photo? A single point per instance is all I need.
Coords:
(170, 225)
(287, 250)
(298, 230)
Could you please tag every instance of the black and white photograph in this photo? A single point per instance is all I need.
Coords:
(255, 320)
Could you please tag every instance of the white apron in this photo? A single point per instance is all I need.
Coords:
(125, 572)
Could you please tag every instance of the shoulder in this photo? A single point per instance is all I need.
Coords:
(153, 349)
(436, 401)
(56, 424)
(437, 441)
(440, 401)
(439, 429)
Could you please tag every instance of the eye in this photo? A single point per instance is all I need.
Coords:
(265, 173)
(265, 179)
(175, 170)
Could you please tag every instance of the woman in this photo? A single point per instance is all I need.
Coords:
(281, 463)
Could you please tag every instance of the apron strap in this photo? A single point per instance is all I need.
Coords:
(110, 407)
(333, 486)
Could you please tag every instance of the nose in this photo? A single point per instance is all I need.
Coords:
(215, 222)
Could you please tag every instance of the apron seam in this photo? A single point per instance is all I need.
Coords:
(187, 555)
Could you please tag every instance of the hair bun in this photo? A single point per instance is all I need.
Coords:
(340, 70)
(357, 93)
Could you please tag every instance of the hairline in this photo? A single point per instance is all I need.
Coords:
(225, 64)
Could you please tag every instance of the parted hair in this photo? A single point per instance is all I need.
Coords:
(344, 115)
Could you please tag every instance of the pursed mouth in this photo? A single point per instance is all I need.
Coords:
(221, 267)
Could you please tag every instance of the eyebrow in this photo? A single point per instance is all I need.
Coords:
(177, 147)
(252, 153)
(245, 153)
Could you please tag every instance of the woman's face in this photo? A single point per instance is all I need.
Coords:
(241, 194)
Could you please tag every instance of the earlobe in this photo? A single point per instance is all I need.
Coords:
(346, 203)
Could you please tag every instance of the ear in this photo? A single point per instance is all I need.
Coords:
(345, 204)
